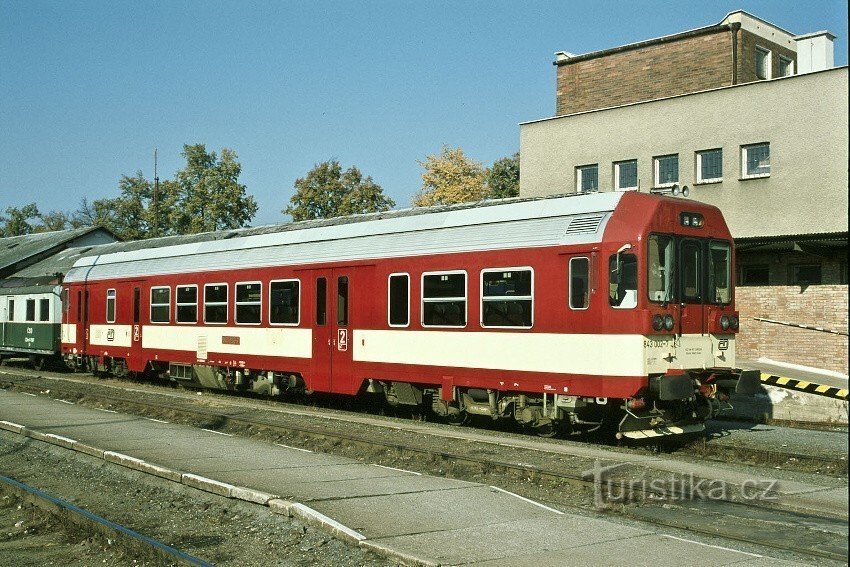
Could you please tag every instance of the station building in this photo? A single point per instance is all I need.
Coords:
(750, 118)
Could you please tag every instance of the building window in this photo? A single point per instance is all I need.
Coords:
(756, 274)
(625, 175)
(763, 63)
(506, 297)
(587, 178)
(579, 283)
(786, 66)
(187, 304)
(710, 166)
(160, 304)
(755, 161)
(805, 274)
(285, 302)
(215, 303)
(110, 306)
(444, 299)
(398, 298)
(666, 170)
(248, 303)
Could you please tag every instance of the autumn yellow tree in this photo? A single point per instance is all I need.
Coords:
(451, 177)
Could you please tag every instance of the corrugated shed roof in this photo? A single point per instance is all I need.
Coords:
(18, 249)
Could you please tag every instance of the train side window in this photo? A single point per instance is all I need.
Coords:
(622, 281)
(30, 314)
(444, 299)
(285, 302)
(66, 307)
(215, 303)
(110, 305)
(44, 310)
(249, 303)
(579, 283)
(342, 301)
(321, 301)
(79, 306)
(137, 304)
(398, 300)
(507, 297)
(11, 313)
(160, 304)
(187, 304)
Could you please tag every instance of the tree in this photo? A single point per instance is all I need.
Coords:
(328, 191)
(450, 177)
(16, 222)
(503, 178)
(54, 220)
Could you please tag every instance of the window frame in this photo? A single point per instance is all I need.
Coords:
(656, 167)
(504, 297)
(226, 304)
(300, 287)
(178, 305)
(617, 185)
(237, 303)
(790, 64)
(423, 300)
(151, 305)
(745, 148)
(570, 283)
(389, 300)
(29, 301)
(699, 178)
(114, 299)
(768, 63)
(10, 310)
(637, 281)
(580, 177)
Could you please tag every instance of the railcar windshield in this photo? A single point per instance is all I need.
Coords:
(692, 270)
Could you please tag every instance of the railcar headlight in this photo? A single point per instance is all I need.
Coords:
(734, 322)
(724, 322)
(668, 322)
(657, 322)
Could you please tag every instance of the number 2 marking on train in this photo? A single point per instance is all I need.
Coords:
(342, 340)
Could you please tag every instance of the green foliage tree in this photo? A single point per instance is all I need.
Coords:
(16, 221)
(450, 177)
(328, 191)
(54, 220)
(503, 178)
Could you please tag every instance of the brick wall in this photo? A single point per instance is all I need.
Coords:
(747, 43)
(822, 305)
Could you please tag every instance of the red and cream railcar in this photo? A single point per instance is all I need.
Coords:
(560, 312)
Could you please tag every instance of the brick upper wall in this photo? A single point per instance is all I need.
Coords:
(684, 65)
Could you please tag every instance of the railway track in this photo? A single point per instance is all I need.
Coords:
(557, 485)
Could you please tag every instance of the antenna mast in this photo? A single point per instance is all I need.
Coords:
(155, 197)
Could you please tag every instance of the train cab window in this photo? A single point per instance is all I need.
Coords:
(11, 310)
(719, 272)
(660, 268)
(622, 281)
(30, 314)
(444, 299)
(321, 301)
(579, 283)
(187, 303)
(110, 306)
(342, 301)
(506, 298)
(398, 300)
(284, 302)
(215, 303)
(160, 304)
(691, 271)
(249, 299)
(44, 310)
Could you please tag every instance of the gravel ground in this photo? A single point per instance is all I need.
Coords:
(215, 529)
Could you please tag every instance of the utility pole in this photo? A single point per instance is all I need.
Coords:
(155, 198)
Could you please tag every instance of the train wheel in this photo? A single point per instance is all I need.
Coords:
(37, 362)
(457, 418)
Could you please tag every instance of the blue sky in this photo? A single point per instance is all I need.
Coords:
(88, 89)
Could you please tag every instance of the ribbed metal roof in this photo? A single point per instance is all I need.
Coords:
(23, 250)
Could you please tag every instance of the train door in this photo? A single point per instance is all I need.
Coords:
(692, 293)
(320, 378)
(136, 360)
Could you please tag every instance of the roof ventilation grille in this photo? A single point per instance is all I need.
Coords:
(584, 225)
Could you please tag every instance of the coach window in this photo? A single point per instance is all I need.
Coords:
(321, 301)
(622, 281)
(249, 298)
(506, 297)
(444, 299)
(284, 302)
(187, 304)
(110, 305)
(342, 301)
(579, 283)
(215, 303)
(11, 313)
(79, 306)
(398, 300)
(30, 314)
(160, 304)
(65, 296)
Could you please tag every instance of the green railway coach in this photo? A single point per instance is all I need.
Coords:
(30, 323)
